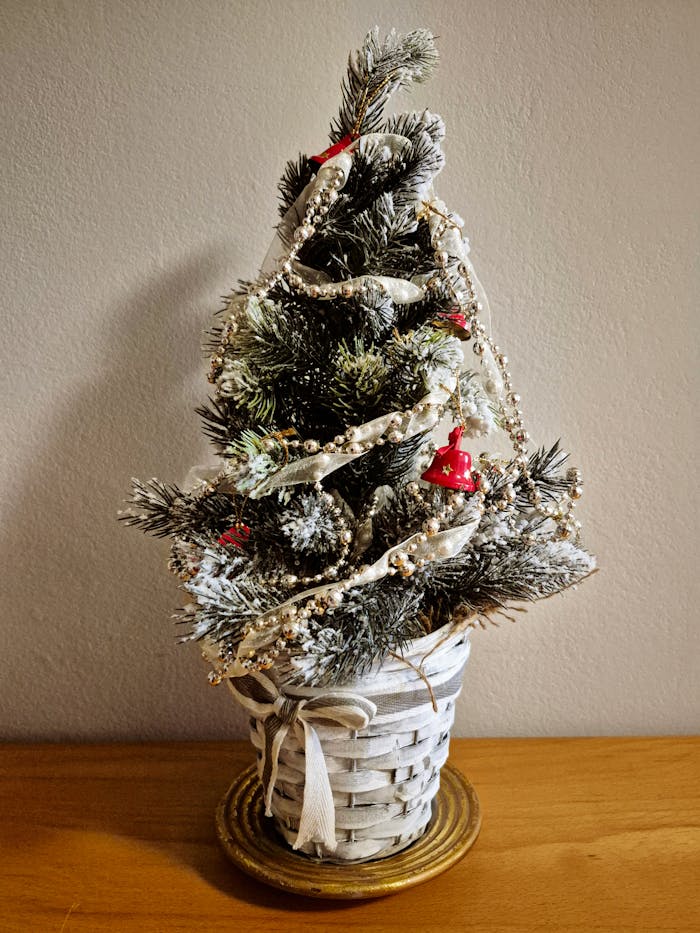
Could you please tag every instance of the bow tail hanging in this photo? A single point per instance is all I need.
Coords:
(317, 823)
(275, 733)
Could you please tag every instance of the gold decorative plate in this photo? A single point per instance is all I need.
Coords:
(250, 841)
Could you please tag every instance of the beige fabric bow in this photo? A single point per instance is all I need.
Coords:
(261, 697)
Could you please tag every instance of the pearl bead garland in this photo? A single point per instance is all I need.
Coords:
(346, 537)
(511, 414)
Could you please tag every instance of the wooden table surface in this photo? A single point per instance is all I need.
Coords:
(585, 835)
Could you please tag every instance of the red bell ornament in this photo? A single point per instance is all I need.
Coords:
(237, 535)
(455, 322)
(451, 467)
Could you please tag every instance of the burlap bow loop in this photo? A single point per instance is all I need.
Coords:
(278, 713)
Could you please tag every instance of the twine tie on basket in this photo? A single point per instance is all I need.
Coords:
(262, 698)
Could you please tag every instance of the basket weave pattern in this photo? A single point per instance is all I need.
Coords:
(383, 777)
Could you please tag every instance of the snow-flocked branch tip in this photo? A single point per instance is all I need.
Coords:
(375, 71)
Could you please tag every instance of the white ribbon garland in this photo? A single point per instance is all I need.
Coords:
(261, 697)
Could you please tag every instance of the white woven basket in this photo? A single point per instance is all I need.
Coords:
(347, 794)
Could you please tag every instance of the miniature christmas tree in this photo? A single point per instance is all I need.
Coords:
(334, 533)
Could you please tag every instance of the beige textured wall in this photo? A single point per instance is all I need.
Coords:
(141, 144)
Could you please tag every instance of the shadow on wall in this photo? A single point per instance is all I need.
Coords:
(88, 646)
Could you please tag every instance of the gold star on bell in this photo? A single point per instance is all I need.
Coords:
(447, 469)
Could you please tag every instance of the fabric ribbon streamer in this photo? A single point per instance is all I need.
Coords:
(261, 697)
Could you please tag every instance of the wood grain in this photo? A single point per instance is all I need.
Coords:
(585, 835)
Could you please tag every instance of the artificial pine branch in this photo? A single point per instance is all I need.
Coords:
(375, 71)
(374, 621)
(545, 469)
(297, 174)
(222, 424)
(374, 312)
(296, 530)
(382, 234)
(411, 125)
(164, 510)
(420, 164)
(366, 182)
(418, 360)
(268, 338)
(229, 594)
(401, 516)
(388, 465)
(491, 577)
(358, 380)
(250, 388)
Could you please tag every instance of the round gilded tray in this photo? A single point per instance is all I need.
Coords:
(250, 841)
